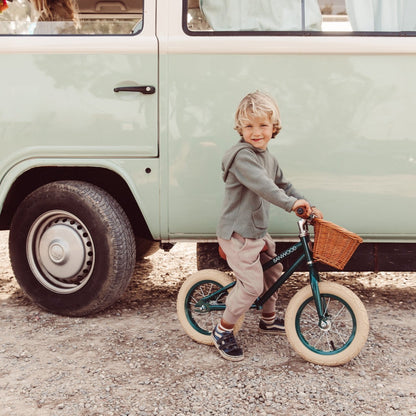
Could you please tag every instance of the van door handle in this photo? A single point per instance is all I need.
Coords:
(144, 89)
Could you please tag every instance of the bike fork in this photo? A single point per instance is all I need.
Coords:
(320, 303)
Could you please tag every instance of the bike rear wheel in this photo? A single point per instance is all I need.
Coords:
(341, 335)
(194, 313)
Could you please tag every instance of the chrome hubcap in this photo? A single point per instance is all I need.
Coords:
(60, 252)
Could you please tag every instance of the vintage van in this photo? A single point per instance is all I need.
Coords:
(113, 126)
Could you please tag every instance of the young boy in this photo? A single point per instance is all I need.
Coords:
(253, 180)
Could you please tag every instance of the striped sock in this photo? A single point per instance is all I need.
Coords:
(269, 318)
(220, 329)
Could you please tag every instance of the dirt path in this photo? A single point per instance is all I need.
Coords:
(134, 358)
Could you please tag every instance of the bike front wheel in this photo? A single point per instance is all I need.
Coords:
(339, 336)
(201, 303)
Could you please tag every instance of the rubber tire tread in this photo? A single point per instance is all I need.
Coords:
(111, 232)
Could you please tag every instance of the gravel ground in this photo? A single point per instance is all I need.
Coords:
(134, 358)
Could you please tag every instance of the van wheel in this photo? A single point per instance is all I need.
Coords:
(72, 248)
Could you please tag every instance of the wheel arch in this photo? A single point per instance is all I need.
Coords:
(105, 178)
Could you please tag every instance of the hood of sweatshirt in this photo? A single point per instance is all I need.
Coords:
(231, 153)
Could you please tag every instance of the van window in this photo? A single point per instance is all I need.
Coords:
(71, 17)
(312, 17)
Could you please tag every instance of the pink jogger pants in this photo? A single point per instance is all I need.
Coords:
(245, 257)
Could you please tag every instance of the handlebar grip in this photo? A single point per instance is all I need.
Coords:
(300, 211)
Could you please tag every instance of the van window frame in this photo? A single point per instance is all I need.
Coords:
(298, 33)
(89, 35)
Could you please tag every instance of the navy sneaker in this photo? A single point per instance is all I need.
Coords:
(277, 327)
(227, 346)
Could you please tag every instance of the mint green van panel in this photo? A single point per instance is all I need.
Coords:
(348, 140)
(64, 105)
(141, 176)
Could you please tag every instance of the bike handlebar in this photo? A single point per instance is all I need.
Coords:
(301, 211)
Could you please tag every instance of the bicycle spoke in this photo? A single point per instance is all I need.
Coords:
(340, 336)
(339, 312)
(194, 301)
(202, 291)
(326, 302)
(311, 307)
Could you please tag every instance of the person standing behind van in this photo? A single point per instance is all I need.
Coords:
(55, 16)
(253, 180)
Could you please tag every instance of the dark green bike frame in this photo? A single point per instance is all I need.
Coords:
(305, 256)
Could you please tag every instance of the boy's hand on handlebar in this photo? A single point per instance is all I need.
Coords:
(302, 208)
(305, 211)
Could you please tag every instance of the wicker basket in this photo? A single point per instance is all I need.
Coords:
(333, 244)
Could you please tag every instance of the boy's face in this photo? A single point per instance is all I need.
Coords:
(257, 131)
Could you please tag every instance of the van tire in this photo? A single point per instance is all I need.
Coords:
(72, 248)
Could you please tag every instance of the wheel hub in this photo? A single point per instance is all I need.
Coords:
(57, 251)
(60, 252)
(325, 325)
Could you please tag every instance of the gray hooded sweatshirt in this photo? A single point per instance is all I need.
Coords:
(253, 180)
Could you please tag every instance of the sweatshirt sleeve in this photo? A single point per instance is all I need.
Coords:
(282, 183)
(250, 173)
